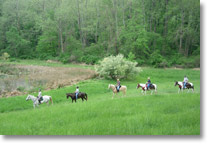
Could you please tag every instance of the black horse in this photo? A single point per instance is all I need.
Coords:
(80, 95)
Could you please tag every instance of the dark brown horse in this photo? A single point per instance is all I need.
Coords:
(80, 95)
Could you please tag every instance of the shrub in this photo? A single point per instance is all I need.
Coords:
(89, 59)
(64, 58)
(21, 89)
(157, 60)
(5, 56)
(117, 67)
(131, 57)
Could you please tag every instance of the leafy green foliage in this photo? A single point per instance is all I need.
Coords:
(87, 31)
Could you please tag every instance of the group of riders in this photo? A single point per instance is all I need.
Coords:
(118, 86)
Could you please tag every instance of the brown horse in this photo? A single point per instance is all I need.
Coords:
(80, 95)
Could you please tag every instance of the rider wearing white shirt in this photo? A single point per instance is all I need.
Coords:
(185, 81)
(77, 92)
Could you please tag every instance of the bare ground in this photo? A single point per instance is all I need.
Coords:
(50, 77)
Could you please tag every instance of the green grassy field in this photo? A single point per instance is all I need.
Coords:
(164, 113)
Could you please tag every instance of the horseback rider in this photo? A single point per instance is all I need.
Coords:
(118, 85)
(185, 81)
(148, 83)
(76, 92)
(39, 96)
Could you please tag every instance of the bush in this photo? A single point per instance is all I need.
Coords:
(190, 62)
(21, 89)
(64, 58)
(117, 67)
(5, 56)
(89, 59)
(157, 60)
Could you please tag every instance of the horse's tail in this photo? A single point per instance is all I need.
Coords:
(51, 100)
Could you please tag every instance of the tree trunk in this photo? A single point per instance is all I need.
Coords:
(181, 32)
(17, 16)
(116, 26)
(61, 36)
(123, 14)
(79, 22)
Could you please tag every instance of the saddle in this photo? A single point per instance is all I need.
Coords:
(150, 86)
(187, 84)
(41, 98)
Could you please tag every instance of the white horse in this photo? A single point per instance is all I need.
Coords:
(144, 88)
(46, 100)
(114, 90)
(188, 86)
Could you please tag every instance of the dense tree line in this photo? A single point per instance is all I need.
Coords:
(154, 32)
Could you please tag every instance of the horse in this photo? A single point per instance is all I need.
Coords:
(153, 87)
(114, 89)
(80, 95)
(188, 86)
(46, 100)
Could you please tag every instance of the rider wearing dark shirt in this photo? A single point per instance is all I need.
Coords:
(148, 83)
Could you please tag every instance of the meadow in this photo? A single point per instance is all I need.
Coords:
(164, 113)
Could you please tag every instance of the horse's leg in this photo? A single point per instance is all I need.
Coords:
(34, 106)
(151, 91)
(47, 103)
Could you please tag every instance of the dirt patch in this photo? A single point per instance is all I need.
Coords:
(196, 69)
(45, 77)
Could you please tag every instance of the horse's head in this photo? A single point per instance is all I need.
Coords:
(138, 86)
(28, 98)
(67, 95)
(176, 83)
(109, 86)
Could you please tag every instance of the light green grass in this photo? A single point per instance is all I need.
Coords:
(166, 113)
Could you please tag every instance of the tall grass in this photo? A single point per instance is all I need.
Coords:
(165, 113)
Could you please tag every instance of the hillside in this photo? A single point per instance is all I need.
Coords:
(165, 113)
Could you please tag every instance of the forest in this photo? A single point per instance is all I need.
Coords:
(159, 33)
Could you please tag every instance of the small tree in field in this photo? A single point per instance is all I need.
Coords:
(5, 56)
(117, 67)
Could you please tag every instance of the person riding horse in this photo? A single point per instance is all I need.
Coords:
(118, 86)
(148, 83)
(185, 81)
(39, 96)
(77, 92)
